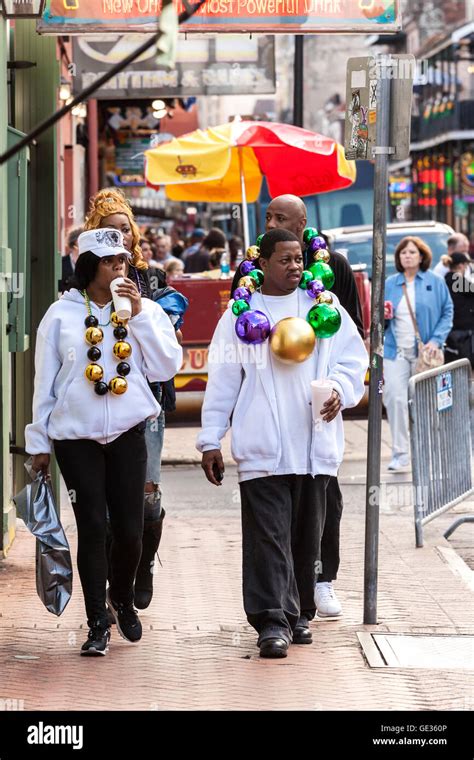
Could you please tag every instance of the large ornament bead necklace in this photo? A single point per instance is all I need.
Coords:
(292, 339)
(122, 350)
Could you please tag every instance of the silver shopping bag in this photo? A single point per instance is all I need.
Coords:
(36, 507)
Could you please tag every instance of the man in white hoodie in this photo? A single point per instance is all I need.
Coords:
(284, 460)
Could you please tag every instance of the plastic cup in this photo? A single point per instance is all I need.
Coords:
(122, 304)
(320, 393)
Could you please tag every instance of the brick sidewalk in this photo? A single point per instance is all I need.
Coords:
(197, 650)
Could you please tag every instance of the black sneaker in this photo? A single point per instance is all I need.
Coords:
(126, 619)
(97, 640)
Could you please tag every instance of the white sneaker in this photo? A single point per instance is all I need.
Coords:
(399, 464)
(326, 601)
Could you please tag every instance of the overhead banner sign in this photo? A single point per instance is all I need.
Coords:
(202, 67)
(271, 16)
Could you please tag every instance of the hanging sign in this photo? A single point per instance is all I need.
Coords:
(271, 16)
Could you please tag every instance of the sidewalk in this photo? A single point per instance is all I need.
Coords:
(197, 650)
(180, 444)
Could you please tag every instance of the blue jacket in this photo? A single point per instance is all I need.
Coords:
(433, 309)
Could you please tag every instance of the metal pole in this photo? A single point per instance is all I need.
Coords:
(376, 344)
(298, 73)
(245, 210)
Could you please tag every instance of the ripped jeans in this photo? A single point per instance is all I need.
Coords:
(154, 435)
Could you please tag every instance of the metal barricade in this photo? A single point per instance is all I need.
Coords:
(440, 436)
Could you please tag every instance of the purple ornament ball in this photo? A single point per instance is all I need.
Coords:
(252, 327)
(315, 288)
(241, 294)
(246, 267)
(317, 243)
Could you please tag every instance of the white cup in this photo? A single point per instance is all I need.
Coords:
(122, 304)
(320, 393)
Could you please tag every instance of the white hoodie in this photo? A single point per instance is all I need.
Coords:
(65, 405)
(242, 384)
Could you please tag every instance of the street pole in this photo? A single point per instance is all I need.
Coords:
(372, 507)
(245, 209)
(298, 73)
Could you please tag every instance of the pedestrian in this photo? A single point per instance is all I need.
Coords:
(68, 261)
(289, 212)
(208, 255)
(460, 341)
(456, 243)
(109, 207)
(195, 242)
(426, 294)
(174, 268)
(86, 360)
(284, 460)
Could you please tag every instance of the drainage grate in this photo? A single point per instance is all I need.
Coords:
(392, 650)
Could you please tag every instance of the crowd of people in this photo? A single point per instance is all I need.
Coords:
(199, 253)
(287, 471)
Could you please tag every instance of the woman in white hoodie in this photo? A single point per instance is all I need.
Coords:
(86, 360)
(283, 457)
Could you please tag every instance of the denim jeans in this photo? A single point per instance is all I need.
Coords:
(154, 435)
(397, 373)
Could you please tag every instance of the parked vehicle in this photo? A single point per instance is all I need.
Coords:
(356, 242)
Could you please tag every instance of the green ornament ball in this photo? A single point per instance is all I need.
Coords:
(238, 307)
(309, 233)
(257, 276)
(306, 278)
(325, 320)
(323, 272)
(259, 239)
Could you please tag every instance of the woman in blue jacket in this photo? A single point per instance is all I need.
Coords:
(432, 306)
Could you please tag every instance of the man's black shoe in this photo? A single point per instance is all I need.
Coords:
(302, 633)
(97, 640)
(274, 648)
(126, 619)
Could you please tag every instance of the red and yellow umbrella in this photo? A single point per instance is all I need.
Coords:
(226, 164)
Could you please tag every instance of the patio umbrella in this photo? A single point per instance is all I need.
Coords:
(226, 164)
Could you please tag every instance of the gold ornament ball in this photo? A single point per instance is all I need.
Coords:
(291, 341)
(122, 349)
(94, 372)
(253, 253)
(322, 255)
(118, 385)
(248, 282)
(324, 297)
(116, 321)
(94, 335)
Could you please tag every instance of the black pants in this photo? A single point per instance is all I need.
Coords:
(331, 534)
(282, 522)
(99, 477)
